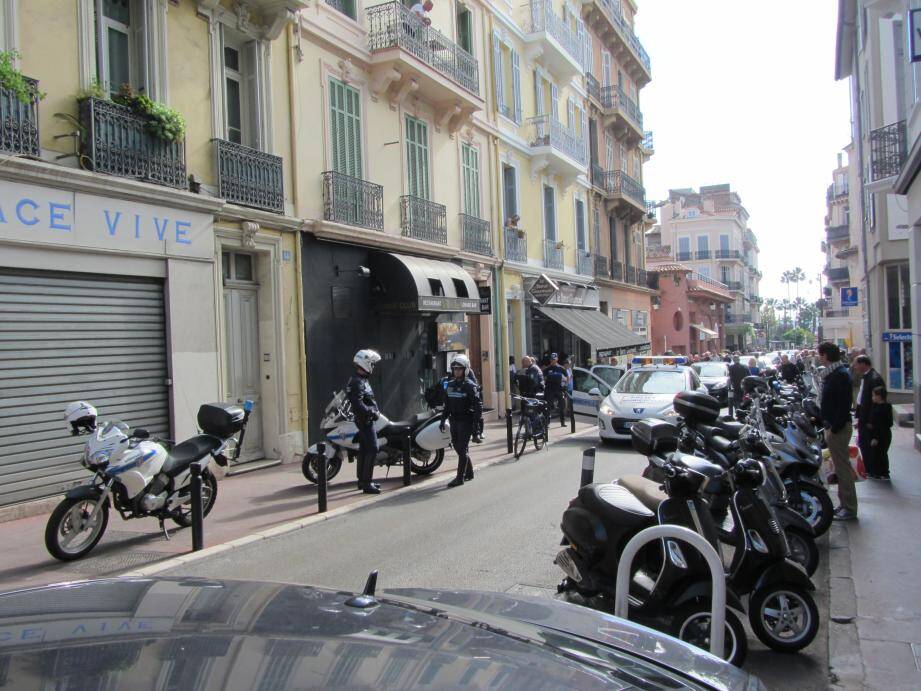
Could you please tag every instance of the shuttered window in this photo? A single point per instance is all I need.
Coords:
(345, 128)
(580, 224)
(417, 157)
(516, 87)
(470, 164)
(549, 213)
(499, 74)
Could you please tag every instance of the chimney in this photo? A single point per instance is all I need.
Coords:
(839, 159)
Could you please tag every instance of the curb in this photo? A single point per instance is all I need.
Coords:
(291, 526)
(845, 664)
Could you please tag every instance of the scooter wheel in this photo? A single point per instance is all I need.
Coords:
(784, 617)
(803, 549)
(309, 467)
(691, 624)
(814, 504)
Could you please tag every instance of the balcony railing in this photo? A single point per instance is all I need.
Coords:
(738, 319)
(699, 277)
(19, 124)
(887, 150)
(249, 177)
(734, 285)
(392, 25)
(836, 191)
(612, 10)
(352, 201)
(703, 254)
(617, 270)
(601, 266)
(516, 245)
(642, 277)
(547, 131)
(726, 254)
(553, 254)
(684, 256)
(618, 182)
(584, 263)
(837, 233)
(593, 87)
(423, 220)
(543, 18)
(477, 235)
(117, 142)
(616, 97)
(837, 275)
(597, 173)
(630, 274)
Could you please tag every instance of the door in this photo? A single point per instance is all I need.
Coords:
(583, 382)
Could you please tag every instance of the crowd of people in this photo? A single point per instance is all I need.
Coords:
(551, 376)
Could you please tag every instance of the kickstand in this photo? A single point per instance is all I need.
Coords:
(164, 529)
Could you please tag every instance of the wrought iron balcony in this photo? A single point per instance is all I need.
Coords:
(838, 275)
(352, 201)
(684, 256)
(516, 245)
(703, 254)
(836, 192)
(476, 235)
(734, 285)
(117, 142)
(726, 254)
(542, 23)
(585, 264)
(615, 98)
(601, 266)
(249, 177)
(593, 87)
(392, 25)
(837, 233)
(738, 319)
(887, 150)
(610, 9)
(630, 274)
(423, 220)
(547, 131)
(642, 277)
(618, 183)
(597, 173)
(553, 254)
(617, 270)
(19, 124)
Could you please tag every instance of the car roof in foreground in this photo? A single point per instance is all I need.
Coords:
(196, 632)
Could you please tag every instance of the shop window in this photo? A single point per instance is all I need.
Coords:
(898, 301)
(900, 358)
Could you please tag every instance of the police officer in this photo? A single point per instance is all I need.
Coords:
(555, 381)
(463, 408)
(364, 408)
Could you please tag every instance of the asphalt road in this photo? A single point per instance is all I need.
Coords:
(499, 532)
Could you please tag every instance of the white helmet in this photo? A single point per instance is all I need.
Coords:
(366, 359)
(80, 414)
(460, 361)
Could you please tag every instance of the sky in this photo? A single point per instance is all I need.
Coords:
(743, 92)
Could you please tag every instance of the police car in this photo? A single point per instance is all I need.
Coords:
(645, 391)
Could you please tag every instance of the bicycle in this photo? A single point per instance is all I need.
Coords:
(532, 424)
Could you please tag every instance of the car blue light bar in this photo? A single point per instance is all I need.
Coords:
(659, 360)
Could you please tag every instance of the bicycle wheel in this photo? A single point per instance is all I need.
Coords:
(521, 437)
(540, 434)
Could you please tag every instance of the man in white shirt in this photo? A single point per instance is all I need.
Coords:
(421, 10)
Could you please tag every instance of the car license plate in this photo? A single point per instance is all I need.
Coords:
(565, 561)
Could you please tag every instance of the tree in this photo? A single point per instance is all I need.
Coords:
(798, 336)
(797, 275)
(769, 318)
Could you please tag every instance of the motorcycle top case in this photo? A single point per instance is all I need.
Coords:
(220, 419)
(654, 437)
(695, 406)
(431, 438)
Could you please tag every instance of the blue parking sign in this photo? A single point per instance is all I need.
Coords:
(849, 297)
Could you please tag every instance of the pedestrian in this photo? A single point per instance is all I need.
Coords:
(463, 408)
(836, 414)
(555, 382)
(530, 378)
(753, 367)
(737, 372)
(880, 427)
(365, 413)
(788, 371)
(869, 380)
(421, 10)
(567, 365)
(512, 372)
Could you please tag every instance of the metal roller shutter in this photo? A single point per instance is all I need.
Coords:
(67, 337)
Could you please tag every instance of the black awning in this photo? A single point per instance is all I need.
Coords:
(414, 284)
(606, 336)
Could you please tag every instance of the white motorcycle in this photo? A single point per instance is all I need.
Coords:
(139, 477)
(340, 439)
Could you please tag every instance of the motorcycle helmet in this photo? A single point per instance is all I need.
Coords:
(366, 359)
(460, 361)
(752, 383)
(80, 414)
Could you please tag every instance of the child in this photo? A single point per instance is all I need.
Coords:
(881, 435)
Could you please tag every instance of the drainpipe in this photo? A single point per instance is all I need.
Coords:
(863, 217)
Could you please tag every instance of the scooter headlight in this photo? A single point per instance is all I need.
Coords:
(675, 555)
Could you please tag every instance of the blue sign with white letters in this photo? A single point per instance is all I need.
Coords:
(849, 297)
(897, 336)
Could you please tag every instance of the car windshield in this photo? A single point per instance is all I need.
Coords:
(611, 375)
(710, 369)
(654, 381)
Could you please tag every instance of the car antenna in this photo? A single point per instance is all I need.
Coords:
(366, 599)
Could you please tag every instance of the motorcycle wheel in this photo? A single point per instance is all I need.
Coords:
(60, 533)
(182, 515)
(692, 625)
(309, 467)
(803, 549)
(813, 504)
(784, 617)
(425, 462)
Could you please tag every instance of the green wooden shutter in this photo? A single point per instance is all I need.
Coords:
(345, 128)
(417, 157)
(549, 213)
(516, 87)
(470, 165)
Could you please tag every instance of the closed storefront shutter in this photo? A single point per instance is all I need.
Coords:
(69, 337)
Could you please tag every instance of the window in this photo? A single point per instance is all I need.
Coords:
(464, 28)
(470, 165)
(345, 128)
(898, 299)
(609, 150)
(242, 114)
(580, 225)
(237, 266)
(612, 236)
(899, 358)
(510, 192)
(724, 242)
(703, 243)
(417, 157)
(684, 248)
(117, 25)
(725, 274)
(605, 68)
(549, 213)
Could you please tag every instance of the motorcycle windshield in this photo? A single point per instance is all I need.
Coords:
(114, 425)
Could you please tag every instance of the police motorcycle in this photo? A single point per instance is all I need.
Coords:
(781, 609)
(138, 476)
(670, 581)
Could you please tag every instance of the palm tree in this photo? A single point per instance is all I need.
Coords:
(796, 276)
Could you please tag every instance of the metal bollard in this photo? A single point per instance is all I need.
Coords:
(321, 477)
(731, 400)
(407, 461)
(588, 467)
(197, 518)
(508, 429)
(572, 415)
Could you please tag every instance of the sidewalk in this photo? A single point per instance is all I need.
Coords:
(875, 632)
(247, 503)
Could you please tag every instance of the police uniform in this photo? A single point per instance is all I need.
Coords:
(463, 408)
(553, 377)
(365, 411)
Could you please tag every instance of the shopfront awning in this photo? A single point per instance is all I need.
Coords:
(414, 284)
(704, 330)
(606, 336)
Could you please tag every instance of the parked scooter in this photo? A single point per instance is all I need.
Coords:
(139, 477)
(340, 437)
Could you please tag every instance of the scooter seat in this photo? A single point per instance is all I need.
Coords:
(649, 493)
(616, 505)
(397, 429)
(181, 456)
(731, 430)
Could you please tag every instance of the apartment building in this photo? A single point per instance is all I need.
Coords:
(145, 269)
(842, 321)
(874, 52)
(707, 231)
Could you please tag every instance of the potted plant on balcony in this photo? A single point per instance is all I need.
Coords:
(162, 121)
(560, 245)
(12, 80)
